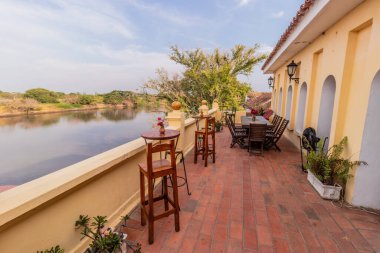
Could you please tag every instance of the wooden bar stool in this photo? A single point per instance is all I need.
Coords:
(157, 169)
(202, 135)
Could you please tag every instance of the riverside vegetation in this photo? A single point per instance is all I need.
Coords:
(206, 76)
(43, 100)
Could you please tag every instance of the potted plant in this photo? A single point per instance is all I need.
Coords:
(104, 239)
(328, 171)
(218, 126)
(56, 249)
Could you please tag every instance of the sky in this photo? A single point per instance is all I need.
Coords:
(91, 46)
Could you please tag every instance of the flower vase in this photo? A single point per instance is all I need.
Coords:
(162, 130)
(253, 118)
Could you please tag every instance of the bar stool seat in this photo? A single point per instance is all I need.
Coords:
(157, 166)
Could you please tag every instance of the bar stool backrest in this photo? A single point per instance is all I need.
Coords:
(210, 125)
(158, 148)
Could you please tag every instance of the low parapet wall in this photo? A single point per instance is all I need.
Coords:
(41, 213)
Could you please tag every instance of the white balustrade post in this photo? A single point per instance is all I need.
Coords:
(176, 119)
(203, 109)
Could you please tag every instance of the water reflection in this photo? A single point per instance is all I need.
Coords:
(35, 145)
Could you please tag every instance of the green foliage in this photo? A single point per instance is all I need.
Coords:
(68, 106)
(56, 249)
(104, 240)
(218, 126)
(86, 99)
(114, 97)
(42, 95)
(330, 167)
(207, 76)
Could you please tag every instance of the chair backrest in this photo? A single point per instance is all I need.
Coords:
(277, 124)
(210, 125)
(282, 128)
(162, 147)
(230, 127)
(257, 132)
(232, 120)
(275, 119)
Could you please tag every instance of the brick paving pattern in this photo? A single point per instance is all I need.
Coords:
(246, 203)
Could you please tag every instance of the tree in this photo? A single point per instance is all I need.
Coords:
(207, 76)
(25, 105)
(115, 97)
(42, 95)
(86, 99)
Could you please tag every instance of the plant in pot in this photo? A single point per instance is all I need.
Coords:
(56, 249)
(328, 171)
(104, 239)
(218, 125)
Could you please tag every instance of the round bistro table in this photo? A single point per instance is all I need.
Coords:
(156, 135)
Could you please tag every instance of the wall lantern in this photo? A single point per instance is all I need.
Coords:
(291, 71)
(271, 82)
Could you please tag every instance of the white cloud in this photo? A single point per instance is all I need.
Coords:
(169, 14)
(278, 14)
(244, 2)
(70, 46)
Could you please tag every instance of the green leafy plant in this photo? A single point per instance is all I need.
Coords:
(56, 249)
(330, 167)
(218, 125)
(104, 239)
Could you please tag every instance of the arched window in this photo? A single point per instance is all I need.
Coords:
(326, 108)
(301, 108)
(289, 97)
(279, 103)
(367, 187)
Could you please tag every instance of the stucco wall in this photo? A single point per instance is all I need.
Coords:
(349, 51)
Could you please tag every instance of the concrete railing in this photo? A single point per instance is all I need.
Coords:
(40, 214)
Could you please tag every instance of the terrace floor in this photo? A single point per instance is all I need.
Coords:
(248, 203)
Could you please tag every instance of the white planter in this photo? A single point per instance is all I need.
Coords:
(325, 191)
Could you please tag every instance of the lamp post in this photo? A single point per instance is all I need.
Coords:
(291, 68)
(271, 82)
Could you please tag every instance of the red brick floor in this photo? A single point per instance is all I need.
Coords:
(248, 203)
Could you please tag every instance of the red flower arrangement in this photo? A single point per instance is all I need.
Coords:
(161, 122)
(254, 111)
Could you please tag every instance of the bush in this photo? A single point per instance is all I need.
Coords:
(86, 99)
(113, 98)
(25, 105)
(42, 95)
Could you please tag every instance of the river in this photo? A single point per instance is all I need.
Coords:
(36, 145)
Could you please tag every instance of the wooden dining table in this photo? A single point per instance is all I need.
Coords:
(247, 120)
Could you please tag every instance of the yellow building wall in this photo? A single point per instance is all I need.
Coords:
(349, 50)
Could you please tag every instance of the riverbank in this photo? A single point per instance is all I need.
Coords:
(52, 108)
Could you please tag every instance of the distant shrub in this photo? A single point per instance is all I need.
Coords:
(113, 98)
(86, 99)
(71, 98)
(42, 95)
(25, 105)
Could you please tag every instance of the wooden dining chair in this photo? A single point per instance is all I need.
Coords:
(257, 134)
(207, 149)
(158, 169)
(272, 138)
(238, 134)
